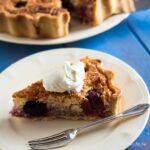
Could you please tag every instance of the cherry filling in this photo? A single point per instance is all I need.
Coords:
(67, 4)
(35, 109)
(21, 4)
(94, 105)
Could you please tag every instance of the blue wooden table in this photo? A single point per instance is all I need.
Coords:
(129, 41)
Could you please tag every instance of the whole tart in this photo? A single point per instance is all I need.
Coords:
(51, 18)
(98, 97)
(34, 18)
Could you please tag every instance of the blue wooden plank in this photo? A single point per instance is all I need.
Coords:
(139, 24)
(10, 53)
(143, 142)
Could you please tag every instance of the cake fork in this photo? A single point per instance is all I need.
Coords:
(63, 138)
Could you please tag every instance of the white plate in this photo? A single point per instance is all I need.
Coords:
(14, 133)
(77, 32)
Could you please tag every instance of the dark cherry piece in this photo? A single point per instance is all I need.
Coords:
(93, 96)
(35, 109)
(94, 105)
(67, 4)
(21, 4)
(86, 106)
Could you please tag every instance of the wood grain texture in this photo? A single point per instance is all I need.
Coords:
(10, 53)
(139, 24)
(129, 41)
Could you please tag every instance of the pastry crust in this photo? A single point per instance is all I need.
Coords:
(37, 19)
(70, 103)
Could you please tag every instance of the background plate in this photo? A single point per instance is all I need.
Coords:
(14, 132)
(77, 32)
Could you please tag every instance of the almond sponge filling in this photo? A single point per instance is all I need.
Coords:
(91, 106)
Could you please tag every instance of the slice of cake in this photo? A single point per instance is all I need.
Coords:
(95, 11)
(83, 90)
(34, 18)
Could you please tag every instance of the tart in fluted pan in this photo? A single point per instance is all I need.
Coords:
(51, 18)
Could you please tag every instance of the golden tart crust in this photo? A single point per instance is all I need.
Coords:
(34, 18)
(72, 104)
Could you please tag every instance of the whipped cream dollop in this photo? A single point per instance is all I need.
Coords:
(69, 78)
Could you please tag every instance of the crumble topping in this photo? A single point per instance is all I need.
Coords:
(32, 6)
(38, 9)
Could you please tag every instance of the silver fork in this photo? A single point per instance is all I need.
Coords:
(63, 138)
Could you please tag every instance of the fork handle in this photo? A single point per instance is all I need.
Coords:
(134, 111)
